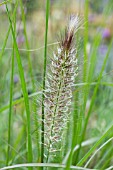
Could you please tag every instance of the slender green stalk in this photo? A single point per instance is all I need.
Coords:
(10, 110)
(89, 81)
(105, 143)
(27, 44)
(103, 159)
(107, 162)
(95, 92)
(76, 123)
(80, 163)
(31, 74)
(24, 89)
(96, 88)
(85, 40)
(105, 155)
(7, 35)
(85, 66)
(11, 99)
(49, 165)
(44, 75)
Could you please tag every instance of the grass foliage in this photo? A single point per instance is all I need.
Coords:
(27, 115)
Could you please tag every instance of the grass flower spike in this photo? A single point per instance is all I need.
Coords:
(58, 96)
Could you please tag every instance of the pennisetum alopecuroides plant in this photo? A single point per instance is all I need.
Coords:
(58, 94)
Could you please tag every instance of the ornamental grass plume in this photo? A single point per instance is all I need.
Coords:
(58, 95)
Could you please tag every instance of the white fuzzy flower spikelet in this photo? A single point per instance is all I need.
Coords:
(58, 97)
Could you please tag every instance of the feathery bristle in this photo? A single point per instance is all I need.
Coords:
(73, 23)
(70, 30)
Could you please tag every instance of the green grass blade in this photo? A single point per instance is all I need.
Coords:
(94, 94)
(7, 35)
(91, 69)
(49, 165)
(80, 163)
(105, 143)
(95, 91)
(10, 110)
(18, 101)
(85, 65)
(44, 76)
(96, 88)
(106, 163)
(27, 45)
(31, 74)
(85, 40)
(11, 100)
(103, 159)
(25, 94)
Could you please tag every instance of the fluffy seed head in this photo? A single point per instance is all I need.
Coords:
(59, 84)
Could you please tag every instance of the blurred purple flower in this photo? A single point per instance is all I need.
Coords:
(16, 78)
(106, 33)
(20, 40)
(91, 17)
(103, 49)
